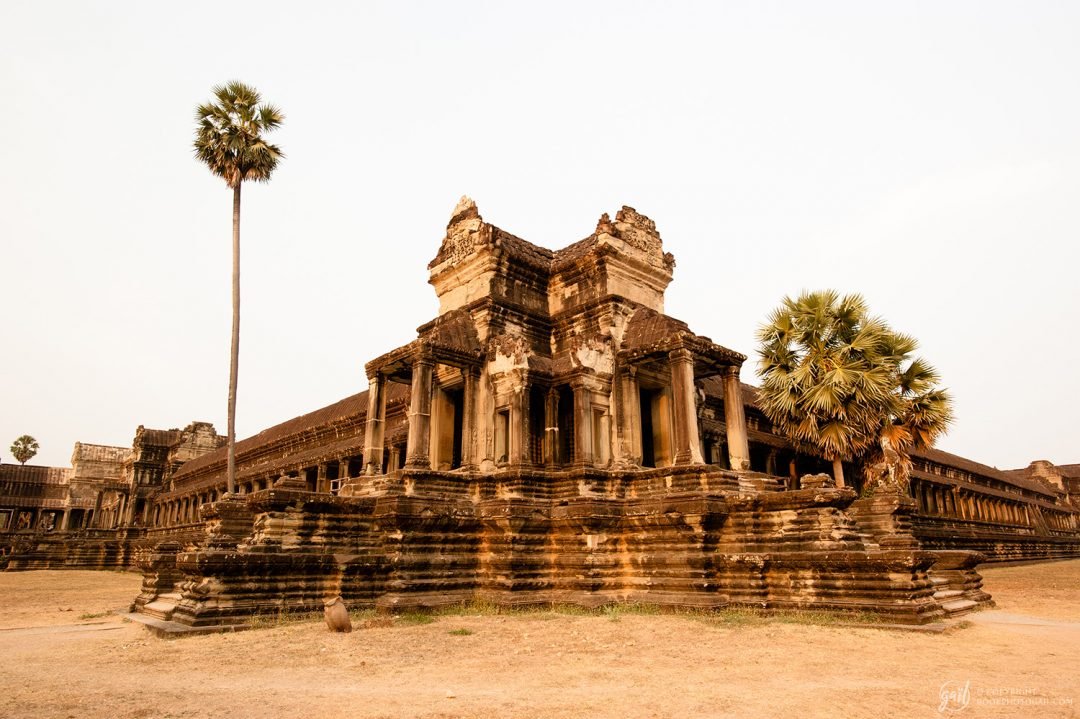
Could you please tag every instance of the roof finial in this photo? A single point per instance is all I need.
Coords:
(464, 209)
(604, 226)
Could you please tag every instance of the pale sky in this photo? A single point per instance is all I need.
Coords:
(926, 155)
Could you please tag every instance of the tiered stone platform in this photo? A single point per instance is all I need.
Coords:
(680, 537)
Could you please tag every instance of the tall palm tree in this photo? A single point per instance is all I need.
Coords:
(229, 139)
(827, 375)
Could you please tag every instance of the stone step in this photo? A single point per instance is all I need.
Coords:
(166, 628)
(947, 594)
(956, 607)
(162, 607)
(938, 581)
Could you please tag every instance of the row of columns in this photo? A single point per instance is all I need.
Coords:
(184, 510)
(946, 502)
(62, 521)
(687, 439)
(685, 424)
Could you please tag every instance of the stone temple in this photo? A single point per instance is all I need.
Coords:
(550, 437)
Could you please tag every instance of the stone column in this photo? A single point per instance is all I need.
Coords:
(97, 511)
(687, 442)
(735, 419)
(551, 429)
(376, 420)
(583, 453)
(468, 417)
(519, 422)
(418, 448)
(605, 439)
(64, 520)
(321, 483)
(627, 418)
(770, 463)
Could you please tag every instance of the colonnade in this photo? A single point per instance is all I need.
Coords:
(321, 477)
(957, 503)
(602, 435)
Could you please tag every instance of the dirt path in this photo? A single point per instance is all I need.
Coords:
(541, 665)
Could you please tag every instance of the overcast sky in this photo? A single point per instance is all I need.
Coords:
(926, 155)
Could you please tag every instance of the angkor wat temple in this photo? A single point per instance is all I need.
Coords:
(551, 437)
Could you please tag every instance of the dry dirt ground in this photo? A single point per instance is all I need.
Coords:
(62, 655)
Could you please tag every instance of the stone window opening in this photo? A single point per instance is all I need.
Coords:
(502, 435)
(656, 430)
(447, 428)
(600, 436)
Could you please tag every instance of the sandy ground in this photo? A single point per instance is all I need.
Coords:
(1021, 660)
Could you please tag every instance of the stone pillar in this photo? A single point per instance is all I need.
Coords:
(418, 448)
(551, 429)
(97, 511)
(583, 453)
(132, 503)
(468, 417)
(519, 422)
(376, 420)
(321, 483)
(63, 520)
(735, 419)
(770, 463)
(687, 442)
(605, 439)
(627, 418)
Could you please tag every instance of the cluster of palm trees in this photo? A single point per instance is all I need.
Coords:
(841, 383)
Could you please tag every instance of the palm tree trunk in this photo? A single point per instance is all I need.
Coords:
(234, 352)
(838, 472)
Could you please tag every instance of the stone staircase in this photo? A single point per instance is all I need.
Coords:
(953, 601)
(162, 607)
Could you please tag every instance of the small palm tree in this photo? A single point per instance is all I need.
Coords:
(919, 413)
(827, 376)
(24, 449)
(229, 139)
